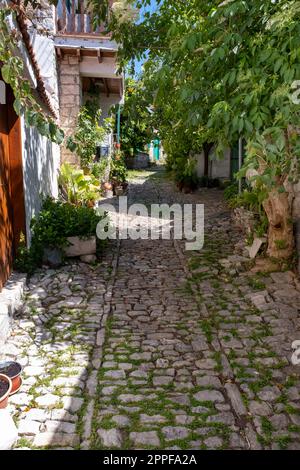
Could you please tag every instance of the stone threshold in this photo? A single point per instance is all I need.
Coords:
(10, 302)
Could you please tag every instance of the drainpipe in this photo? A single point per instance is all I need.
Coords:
(240, 162)
(118, 124)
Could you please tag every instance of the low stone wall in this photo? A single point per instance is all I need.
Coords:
(243, 219)
(10, 302)
(139, 162)
(70, 99)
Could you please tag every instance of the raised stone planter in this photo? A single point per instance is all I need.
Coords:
(245, 220)
(8, 431)
(52, 257)
(80, 246)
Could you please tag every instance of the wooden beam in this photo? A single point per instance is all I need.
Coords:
(105, 86)
(73, 13)
(78, 53)
(82, 16)
(99, 55)
(59, 52)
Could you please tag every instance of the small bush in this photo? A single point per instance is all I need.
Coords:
(76, 187)
(55, 222)
(98, 169)
(118, 170)
(206, 182)
(231, 191)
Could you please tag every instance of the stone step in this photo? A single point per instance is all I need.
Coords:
(10, 303)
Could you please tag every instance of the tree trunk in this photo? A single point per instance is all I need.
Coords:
(280, 232)
(207, 146)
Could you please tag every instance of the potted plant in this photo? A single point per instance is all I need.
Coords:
(12, 370)
(72, 229)
(118, 174)
(5, 389)
(77, 187)
(61, 226)
(185, 176)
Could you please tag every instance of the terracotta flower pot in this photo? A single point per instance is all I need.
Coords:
(5, 390)
(107, 186)
(12, 370)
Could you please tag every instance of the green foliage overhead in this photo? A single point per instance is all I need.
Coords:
(88, 134)
(136, 120)
(221, 70)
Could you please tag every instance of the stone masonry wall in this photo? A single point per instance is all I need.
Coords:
(70, 100)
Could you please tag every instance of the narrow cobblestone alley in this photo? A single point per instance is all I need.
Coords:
(158, 347)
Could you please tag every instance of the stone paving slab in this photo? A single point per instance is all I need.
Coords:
(54, 337)
(160, 348)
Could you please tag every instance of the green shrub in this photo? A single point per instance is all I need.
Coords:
(88, 134)
(118, 170)
(59, 220)
(56, 221)
(250, 199)
(98, 169)
(206, 182)
(26, 260)
(77, 187)
(185, 173)
(231, 191)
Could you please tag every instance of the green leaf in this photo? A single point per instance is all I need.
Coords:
(17, 106)
(6, 72)
(278, 64)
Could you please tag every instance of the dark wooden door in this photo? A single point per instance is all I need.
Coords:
(12, 212)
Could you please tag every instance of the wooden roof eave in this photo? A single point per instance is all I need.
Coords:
(99, 52)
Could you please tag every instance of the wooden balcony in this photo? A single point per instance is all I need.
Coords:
(72, 19)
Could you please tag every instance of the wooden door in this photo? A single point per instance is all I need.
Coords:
(12, 212)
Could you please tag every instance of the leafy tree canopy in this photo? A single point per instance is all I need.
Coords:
(136, 118)
(219, 70)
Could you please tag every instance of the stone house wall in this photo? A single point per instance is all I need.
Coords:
(70, 100)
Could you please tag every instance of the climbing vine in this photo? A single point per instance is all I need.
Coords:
(12, 69)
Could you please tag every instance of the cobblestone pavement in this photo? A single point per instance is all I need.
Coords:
(160, 348)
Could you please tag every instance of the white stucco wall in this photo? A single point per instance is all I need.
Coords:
(106, 103)
(218, 168)
(41, 159)
(108, 68)
(199, 164)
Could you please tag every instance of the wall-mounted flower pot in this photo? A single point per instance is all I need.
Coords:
(12, 370)
(80, 246)
(5, 389)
